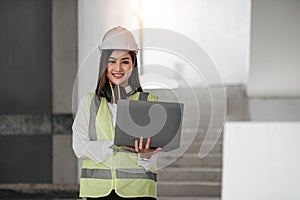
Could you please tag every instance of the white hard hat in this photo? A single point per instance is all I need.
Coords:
(118, 38)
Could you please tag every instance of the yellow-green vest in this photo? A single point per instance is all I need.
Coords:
(120, 171)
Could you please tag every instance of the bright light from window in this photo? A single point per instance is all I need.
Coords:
(221, 28)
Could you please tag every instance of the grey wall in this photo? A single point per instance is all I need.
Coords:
(64, 53)
(25, 159)
(275, 41)
(25, 89)
(25, 56)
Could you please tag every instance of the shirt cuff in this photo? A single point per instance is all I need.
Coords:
(147, 163)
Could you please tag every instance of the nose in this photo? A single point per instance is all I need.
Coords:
(118, 66)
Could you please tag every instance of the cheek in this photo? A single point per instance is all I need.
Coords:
(107, 73)
(109, 69)
(128, 69)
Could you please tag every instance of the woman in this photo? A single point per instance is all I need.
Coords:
(107, 172)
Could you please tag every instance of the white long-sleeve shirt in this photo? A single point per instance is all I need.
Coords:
(98, 151)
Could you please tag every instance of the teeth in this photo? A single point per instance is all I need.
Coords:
(118, 74)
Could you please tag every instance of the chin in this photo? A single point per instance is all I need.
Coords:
(118, 82)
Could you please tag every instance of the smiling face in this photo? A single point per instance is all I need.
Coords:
(119, 67)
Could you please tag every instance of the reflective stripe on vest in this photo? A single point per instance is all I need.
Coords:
(136, 174)
(120, 173)
(93, 113)
(96, 173)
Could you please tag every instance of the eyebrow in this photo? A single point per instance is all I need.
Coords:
(125, 58)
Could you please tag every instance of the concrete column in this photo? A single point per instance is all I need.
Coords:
(64, 54)
(274, 61)
(64, 59)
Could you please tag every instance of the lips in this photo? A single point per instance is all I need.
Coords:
(118, 75)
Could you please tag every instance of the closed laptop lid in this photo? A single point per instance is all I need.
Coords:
(161, 121)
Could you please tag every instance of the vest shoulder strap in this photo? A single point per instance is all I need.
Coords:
(95, 104)
(143, 96)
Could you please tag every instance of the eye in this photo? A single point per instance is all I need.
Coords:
(111, 61)
(125, 62)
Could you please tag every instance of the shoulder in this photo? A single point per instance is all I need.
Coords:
(86, 101)
(89, 97)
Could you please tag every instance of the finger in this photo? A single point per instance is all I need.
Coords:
(148, 143)
(141, 143)
(157, 150)
(130, 148)
(136, 145)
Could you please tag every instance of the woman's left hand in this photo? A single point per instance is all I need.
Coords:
(145, 152)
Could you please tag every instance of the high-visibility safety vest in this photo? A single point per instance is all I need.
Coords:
(120, 171)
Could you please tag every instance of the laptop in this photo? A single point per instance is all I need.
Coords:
(161, 121)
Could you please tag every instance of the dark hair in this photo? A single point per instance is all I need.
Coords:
(103, 80)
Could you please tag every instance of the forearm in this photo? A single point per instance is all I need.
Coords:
(97, 151)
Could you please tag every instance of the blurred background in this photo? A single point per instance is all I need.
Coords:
(254, 45)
